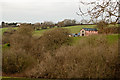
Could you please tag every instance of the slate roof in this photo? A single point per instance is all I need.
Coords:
(90, 29)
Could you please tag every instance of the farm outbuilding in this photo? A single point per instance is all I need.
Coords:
(74, 35)
(88, 31)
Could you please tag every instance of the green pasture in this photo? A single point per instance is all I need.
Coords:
(76, 29)
(40, 32)
(73, 29)
(111, 38)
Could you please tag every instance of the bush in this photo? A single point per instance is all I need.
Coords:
(102, 24)
(25, 29)
(55, 38)
(107, 28)
(18, 57)
(91, 58)
(22, 39)
(111, 30)
(16, 61)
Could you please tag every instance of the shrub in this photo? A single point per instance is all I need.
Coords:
(16, 61)
(22, 39)
(25, 30)
(91, 58)
(55, 38)
(106, 28)
(101, 25)
(111, 30)
(18, 57)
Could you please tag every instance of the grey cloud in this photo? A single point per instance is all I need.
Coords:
(40, 11)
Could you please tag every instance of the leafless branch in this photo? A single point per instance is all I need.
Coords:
(101, 8)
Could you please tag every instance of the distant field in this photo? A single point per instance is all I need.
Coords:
(40, 32)
(76, 29)
(110, 38)
(73, 29)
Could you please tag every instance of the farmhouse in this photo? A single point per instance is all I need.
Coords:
(88, 31)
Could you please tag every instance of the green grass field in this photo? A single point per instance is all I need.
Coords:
(110, 38)
(76, 29)
(40, 32)
(73, 29)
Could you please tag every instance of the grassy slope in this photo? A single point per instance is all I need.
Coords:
(73, 29)
(110, 38)
(40, 32)
(76, 29)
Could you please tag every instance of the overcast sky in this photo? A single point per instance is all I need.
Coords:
(38, 10)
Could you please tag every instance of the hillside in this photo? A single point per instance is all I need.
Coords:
(73, 29)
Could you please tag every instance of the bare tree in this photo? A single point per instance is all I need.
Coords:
(106, 10)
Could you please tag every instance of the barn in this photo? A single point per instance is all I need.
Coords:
(88, 31)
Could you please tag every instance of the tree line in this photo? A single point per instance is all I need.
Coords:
(45, 24)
